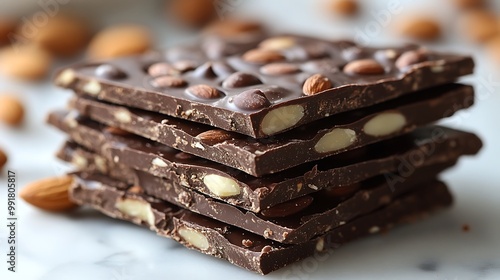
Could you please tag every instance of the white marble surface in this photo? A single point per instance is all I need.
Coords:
(86, 245)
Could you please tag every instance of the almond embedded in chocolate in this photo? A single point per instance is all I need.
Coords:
(116, 131)
(168, 82)
(252, 99)
(162, 69)
(279, 68)
(316, 84)
(109, 71)
(364, 67)
(262, 56)
(204, 91)
(185, 65)
(240, 79)
(214, 136)
(410, 58)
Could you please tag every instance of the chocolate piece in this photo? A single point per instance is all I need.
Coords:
(317, 140)
(300, 219)
(349, 92)
(425, 146)
(237, 246)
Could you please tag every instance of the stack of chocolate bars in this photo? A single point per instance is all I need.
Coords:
(268, 151)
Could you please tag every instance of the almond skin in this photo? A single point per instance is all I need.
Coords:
(420, 28)
(120, 40)
(214, 136)
(51, 194)
(262, 56)
(316, 84)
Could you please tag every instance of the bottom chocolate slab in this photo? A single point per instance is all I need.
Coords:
(240, 247)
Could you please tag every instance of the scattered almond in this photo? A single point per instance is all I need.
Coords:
(3, 159)
(316, 84)
(364, 67)
(7, 26)
(232, 27)
(421, 28)
(262, 56)
(193, 12)
(279, 68)
(493, 48)
(479, 25)
(50, 194)
(25, 62)
(120, 40)
(11, 110)
(468, 4)
(214, 136)
(63, 35)
(344, 7)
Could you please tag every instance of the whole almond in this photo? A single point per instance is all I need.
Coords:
(279, 68)
(3, 159)
(204, 91)
(7, 27)
(50, 194)
(192, 12)
(232, 27)
(479, 25)
(161, 69)
(364, 67)
(410, 58)
(468, 4)
(168, 82)
(493, 48)
(25, 62)
(344, 7)
(277, 43)
(120, 40)
(11, 110)
(214, 136)
(262, 56)
(316, 84)
(421, 28)
(63, 35)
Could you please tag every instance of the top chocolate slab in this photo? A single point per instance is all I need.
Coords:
(279, 84)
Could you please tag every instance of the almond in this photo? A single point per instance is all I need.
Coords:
(204, 91)
(262, 56)
(279, 68)
(11, 110)
(479, 25)
(277, 43)
(50, 194)
(316, 84)
(120, 40)
(168, 82)
(3, 159)
(214, 136)
(25, 62)
(193, 12)
(63, 35)
(116, 131)
(493, 48)
(344, 7)
(420, 28)
(232, 27)
(364, 67)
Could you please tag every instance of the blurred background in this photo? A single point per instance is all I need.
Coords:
(37, 37)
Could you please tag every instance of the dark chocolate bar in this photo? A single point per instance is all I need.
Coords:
(425, 146)
(295, 221)
(283, 83)
(240, 247)
(315, 141)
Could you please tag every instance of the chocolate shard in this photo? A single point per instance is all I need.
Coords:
(320, 139)
(350, 89)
